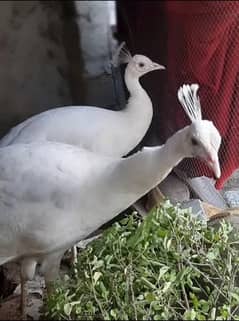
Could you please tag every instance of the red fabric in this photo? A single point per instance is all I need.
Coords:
(203, 46)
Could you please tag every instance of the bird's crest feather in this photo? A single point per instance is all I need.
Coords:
(187, 95)
(121, 55)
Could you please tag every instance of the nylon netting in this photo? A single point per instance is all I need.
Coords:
(198, 41)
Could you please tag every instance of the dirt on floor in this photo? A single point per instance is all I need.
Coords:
(10, 309)
(11, 290)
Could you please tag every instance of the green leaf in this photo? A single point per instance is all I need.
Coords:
(150, 297)
(67, 309)
(113, 314)
(204, 305)
(96, 276)
(190, 315)
(235, 296)
(162, 271)
(213, 314)
(166, 286)
(147, 283)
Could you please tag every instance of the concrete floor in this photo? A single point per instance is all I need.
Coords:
(230, 192)
(233, 182)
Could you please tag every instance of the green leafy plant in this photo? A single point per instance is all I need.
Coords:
(170, 265)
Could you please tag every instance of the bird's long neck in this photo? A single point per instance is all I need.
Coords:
(146, 169)
(138, 96)
(137, 115)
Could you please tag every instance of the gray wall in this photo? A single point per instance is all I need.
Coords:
(33, 65)
(42, 64)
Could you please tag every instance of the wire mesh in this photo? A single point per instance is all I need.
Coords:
(203, 47)
(198, 41)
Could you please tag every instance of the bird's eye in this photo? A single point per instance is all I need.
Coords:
(141, 64)
(194, 141)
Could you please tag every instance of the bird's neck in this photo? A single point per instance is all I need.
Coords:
(132, 83)
(134, 87)
(146, 169)
(138, 112)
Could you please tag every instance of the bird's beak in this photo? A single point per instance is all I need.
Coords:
(213, 162)
(156, 66)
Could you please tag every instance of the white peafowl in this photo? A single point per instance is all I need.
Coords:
(112, 133)
(104, 131)
(54, 194)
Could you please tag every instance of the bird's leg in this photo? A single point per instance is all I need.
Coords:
(154, 198)
(23, 298)
(139, 207)
(28, 267)
(74, 255)
(50, 269)
(74, 258)
(49, 287)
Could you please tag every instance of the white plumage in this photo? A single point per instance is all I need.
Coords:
(54, 194)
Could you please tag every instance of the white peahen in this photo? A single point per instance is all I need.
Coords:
(104, 131)
(54, 194)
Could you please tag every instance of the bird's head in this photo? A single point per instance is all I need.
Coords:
(202, 139)
(140, 65)
(203, 142)
(137, 65)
